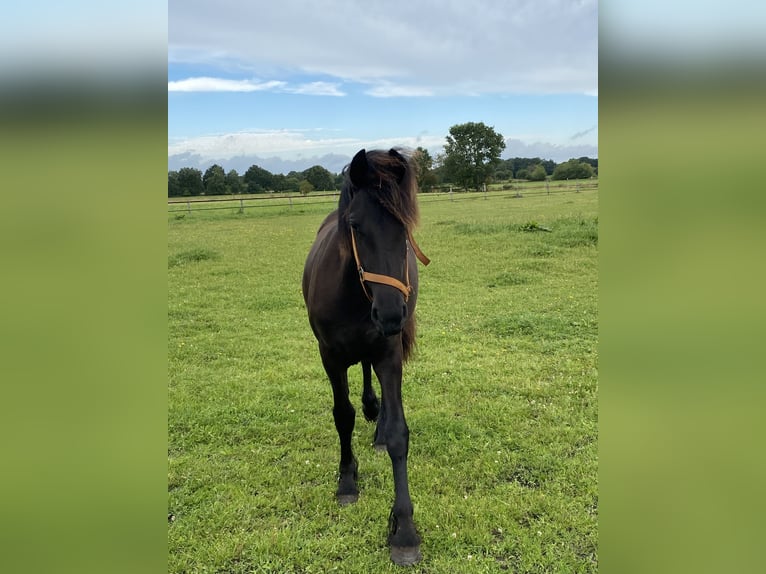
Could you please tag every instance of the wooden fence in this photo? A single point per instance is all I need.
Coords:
(241, 202)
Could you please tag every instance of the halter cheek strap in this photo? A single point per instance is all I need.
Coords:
(364, 276)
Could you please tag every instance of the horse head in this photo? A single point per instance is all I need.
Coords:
(378, 208)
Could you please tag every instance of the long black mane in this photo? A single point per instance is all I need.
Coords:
(391, 178)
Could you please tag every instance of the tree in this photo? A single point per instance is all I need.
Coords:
(536, 173)
(503, 172)
(593, 163)
(423, 169)
(214, 180)
(319, 177)
(292, 182)
(234, 183)
(472, 153)
(572, 169)
(549, 166)
(305, 186)
(258, 179)
(174, 187)
(190, 181)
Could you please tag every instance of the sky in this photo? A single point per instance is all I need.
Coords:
(291, 84)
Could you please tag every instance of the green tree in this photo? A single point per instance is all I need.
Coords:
(423, 169)
(292, 182)
(190, 181)
(258, 179)
(592, 161)
(214, 180)
(305, 187)
(503, 172)
(536, 173)
(573, 169)
(234, 183)
(472, 153)
(319, 177)
(174, 187)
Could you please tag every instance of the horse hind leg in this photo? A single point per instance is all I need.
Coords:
(373, 409)
(370, 402)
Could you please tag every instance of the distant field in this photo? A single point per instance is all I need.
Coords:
(500, 398)
(258, 200)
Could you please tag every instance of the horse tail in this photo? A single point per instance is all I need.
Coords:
(408, 338)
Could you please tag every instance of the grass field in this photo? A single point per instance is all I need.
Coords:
(500, 398)
(180, 206)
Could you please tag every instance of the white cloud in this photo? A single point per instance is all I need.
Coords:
(442, 48)
(208, 84)
(317, 89)
(388, 90)
(283, 142)
(282, 150)
(544, 150)
(287, 144)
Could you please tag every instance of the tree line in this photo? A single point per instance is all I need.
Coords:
(215, 181)
(471, 159)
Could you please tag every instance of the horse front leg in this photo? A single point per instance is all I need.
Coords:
(403, 538)
(344, 415)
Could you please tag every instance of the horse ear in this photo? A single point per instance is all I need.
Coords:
(359, 169)
(401, 166)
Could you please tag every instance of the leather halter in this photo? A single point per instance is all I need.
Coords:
(405, 288)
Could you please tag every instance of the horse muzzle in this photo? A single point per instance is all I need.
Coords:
(389, 319)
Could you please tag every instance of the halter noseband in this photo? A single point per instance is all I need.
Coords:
(406, 289)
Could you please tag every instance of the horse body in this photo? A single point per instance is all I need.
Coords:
(369, 321)
(339, 314)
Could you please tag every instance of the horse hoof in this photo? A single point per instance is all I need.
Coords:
(346, 499)
(371, 414)
(380, 447)
(405, 555)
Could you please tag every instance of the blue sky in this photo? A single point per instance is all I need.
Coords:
(291, 84)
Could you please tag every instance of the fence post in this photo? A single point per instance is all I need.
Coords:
(485, 190)
(547, 187)
(290, 197)
(188, 206)
(577, 186)
(241, 206)
(450, 193)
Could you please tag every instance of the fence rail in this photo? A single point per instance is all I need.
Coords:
(240, 203)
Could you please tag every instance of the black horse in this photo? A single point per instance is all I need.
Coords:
(369, 317)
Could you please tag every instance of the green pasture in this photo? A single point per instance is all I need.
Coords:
(181, 206)
(500, 397)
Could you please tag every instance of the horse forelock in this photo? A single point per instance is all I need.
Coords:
(393, 183)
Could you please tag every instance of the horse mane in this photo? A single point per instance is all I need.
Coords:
(394, 186)
(397, 189)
